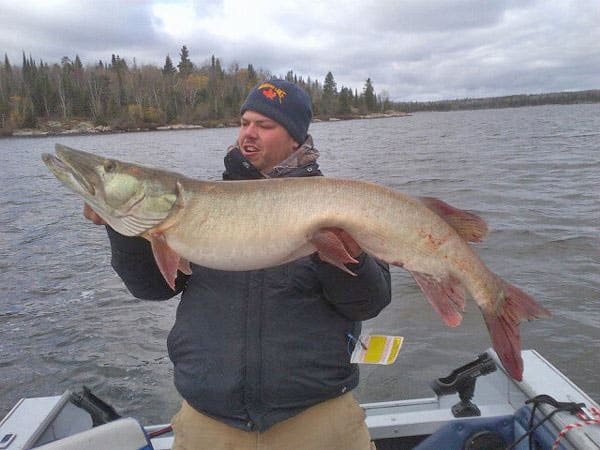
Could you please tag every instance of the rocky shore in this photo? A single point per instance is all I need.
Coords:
(55, 128)
(73, 127)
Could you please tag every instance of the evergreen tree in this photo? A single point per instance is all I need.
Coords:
(185, 66)
(329, 85)
(252, 77)
(65, 87)
(6, 83)
(7, 63)
(77, 63)
(119, 67)
(118, 64)
(369, 98)
(169, 68)
(344, 101)
(216, 97)
(80, 102)
(218, 70)
(6, 79)
(329, 97)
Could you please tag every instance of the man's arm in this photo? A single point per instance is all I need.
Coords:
(134, 262)
(359, 297)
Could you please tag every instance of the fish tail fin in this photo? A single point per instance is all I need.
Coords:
(503, 326)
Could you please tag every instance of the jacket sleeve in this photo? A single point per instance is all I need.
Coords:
(359, 297)
(133, 261)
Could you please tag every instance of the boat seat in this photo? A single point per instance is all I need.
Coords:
(455, 435)
(122, 434)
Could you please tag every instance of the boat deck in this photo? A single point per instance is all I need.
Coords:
(422, 423)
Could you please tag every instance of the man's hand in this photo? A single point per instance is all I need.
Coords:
(91, 215)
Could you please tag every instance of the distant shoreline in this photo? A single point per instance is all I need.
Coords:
(84, 127)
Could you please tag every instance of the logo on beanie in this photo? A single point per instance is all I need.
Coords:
(272, 92)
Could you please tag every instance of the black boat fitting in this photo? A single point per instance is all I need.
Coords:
(462, 381)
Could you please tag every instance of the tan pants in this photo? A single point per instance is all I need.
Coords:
(337, 424)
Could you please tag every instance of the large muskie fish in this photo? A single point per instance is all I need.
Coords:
(246, 225)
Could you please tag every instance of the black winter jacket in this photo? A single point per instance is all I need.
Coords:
(254, 348)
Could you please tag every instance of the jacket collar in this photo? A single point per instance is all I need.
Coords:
(301, 163)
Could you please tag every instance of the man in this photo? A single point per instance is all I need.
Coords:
(262, 358)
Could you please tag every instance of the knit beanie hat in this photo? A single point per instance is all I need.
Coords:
(284, 102)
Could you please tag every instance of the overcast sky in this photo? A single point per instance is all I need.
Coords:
(411, 49)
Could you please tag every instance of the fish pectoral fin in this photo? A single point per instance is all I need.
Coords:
(174, 214)
(503, 326)
(332, 250)
(447, 296)
(166, 259)
(469, 226)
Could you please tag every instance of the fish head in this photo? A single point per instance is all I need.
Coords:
(131, 198)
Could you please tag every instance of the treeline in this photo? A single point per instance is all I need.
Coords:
(509, 101)
(122, 95)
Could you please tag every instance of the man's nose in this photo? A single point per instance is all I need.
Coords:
(250, 131)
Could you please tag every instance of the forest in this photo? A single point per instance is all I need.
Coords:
(508, 101)
(120, 95)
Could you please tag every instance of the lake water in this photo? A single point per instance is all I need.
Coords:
(532, 173)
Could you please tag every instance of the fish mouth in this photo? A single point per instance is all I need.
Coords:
(75, 168)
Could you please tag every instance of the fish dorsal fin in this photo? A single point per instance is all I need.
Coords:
(469, 226)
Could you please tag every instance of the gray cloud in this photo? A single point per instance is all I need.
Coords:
(414, 49)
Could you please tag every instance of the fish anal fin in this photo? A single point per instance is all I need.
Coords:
(332, 250)
(503, 326)
(166, 259)
(446, 296)
(469, 226)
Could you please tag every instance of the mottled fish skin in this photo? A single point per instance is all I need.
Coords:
(254, 224)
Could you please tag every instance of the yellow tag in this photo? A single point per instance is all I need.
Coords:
(376, 349)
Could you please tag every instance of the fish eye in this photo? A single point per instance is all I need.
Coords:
(109, 165)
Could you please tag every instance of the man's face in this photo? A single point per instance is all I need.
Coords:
(264, 142)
